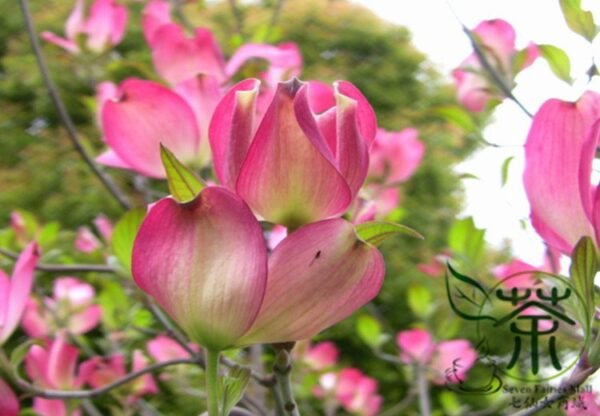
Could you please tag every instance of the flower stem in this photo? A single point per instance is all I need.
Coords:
(283, 376)
(212, 381)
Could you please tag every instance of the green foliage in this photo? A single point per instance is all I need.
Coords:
(579, 20)
(558, 61)
(183, 183)
(124, 235)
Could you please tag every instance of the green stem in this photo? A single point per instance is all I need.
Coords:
(212, 381)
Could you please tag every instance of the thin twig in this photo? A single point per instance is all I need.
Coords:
(63, 268)
(62, 111)
(89, 408)
(423, 389)
(283, 377)
(485, 63)
(88, 394)
(566, 388)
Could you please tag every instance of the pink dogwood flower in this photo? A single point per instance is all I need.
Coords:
(395, 156)
(305, 160)
(86, 241)
(352, 389)
(496, 38)
(156, 14)
(100, 371)
(321, 356)
(54, 367)
(560, 148)
(72, 307)
(163, 348)
(9, 403)
(104, 27)
(15, 291)
(446, 361)
(143, 115)
(205, 262)
(583, 404)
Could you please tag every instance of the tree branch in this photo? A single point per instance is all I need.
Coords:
(63, 268)
(485, 63)
(88, 394)
(62, 111)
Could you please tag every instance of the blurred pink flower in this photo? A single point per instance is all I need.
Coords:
(497, 42)
(15, 291)
(104, 227)
(395, 155)
(9, 403)
(583, 404)
(276, 236)
(53, 368)
(322, 355)
(446, 361)
(437, 266)
(71, 307)
(86, 241)
(99, 371)
(353, 390)
(559, 153)
(162, 348)
(103, 28)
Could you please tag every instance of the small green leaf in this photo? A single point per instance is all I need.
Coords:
(234, 386)
(584, 266)
(579, 21)
(466, 239)
(369, 330)
(505, 166)
(18, 354)
(468, 176)
(419, 300)
(457, 116)
(449, 402)
(183, 184)
(376, 232)
(558, 60)
(124, 235)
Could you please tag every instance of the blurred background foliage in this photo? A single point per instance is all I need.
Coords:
(40, 172)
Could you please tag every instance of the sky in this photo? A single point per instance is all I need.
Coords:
(437, 33)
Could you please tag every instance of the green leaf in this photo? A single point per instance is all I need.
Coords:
(369, 330)
(183, 184)
(505, 166)
(466, 239)
(115, 305)
(234, 385)
(579, 21)
(419, 301)
(457, 116)
(584, 265)
(558, 60)
(376, 232)
(450, 402)
(48, 234)
(18, 354)
(124, 235)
